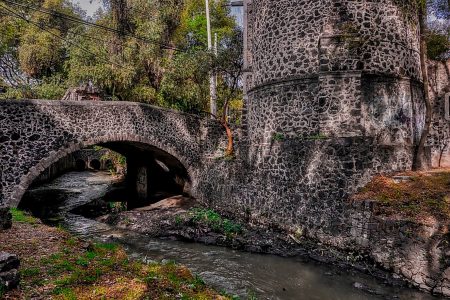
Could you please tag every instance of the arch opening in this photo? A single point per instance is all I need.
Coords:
(80, 165)
(95, 164)
(150, 174)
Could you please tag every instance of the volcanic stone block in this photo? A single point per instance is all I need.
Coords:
(5, 218)
(9, 275)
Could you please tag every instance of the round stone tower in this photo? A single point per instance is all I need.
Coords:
(333, 95)
(333, 68)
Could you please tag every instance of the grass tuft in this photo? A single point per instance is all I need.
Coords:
(208, 217)
(74, 270)
(20, 216)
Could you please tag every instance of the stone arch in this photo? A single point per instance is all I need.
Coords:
(95, 164)
(80, 165)
(54, 156)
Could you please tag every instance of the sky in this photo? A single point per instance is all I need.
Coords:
(91, 6)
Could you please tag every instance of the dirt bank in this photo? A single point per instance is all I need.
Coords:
(55, 265)
(404, 226)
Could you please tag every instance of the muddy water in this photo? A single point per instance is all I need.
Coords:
(266, 276)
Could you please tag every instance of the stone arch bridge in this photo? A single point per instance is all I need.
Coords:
(36, 133)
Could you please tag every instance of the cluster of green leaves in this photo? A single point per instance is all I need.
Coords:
(278, 136)
(116, 159)
(438, 45)
(215, 221)
(438, 35)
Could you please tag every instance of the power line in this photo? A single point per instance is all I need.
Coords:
(94, 38)
(97, 39)
(87, 23)
(17, 15)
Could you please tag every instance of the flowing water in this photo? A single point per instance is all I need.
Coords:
(239, 273)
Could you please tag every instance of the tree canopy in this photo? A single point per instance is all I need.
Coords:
(151, 51)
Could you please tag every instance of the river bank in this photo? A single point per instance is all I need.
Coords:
(178, 221)
(399, 231)
(184, 220)
(403, 224)
(57, 265)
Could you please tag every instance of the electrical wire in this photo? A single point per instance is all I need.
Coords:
(87, 23)
(17, 15)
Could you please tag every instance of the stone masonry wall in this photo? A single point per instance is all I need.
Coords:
(35, 134)
(333, 99)
(69, 163)
(333, 96)
(418, 252)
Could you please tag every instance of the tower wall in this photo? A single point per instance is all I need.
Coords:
(334, 68)
(332, 97)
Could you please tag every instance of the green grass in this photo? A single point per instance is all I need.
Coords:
(22, 217)
(64, 265)
(66, 293)
(178, 220)
(71, 241)
(30, 272)
(103, 271)
(100, 247)
(215, 221)
(82, 261)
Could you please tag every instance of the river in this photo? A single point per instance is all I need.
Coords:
(239, 273)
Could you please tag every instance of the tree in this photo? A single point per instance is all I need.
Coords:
(42, 52)
(33, 49)
(10, 33)
(438, 7)
(151, 51)
(229, 66)
(419, 160)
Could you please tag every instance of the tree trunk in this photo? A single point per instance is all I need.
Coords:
(229, 151)
(419, 159)
(224, 122)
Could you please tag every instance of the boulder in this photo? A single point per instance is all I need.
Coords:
(8, 262)
(9, 280)
(9, 274)
(5, 218)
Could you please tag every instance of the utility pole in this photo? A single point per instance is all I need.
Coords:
(212, 79)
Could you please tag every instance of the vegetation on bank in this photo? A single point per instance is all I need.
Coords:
(209, 220)
(212, 219)
(414, 195)
(55, 265)
(21, 217)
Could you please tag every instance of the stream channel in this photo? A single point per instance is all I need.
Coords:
(238, 273)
